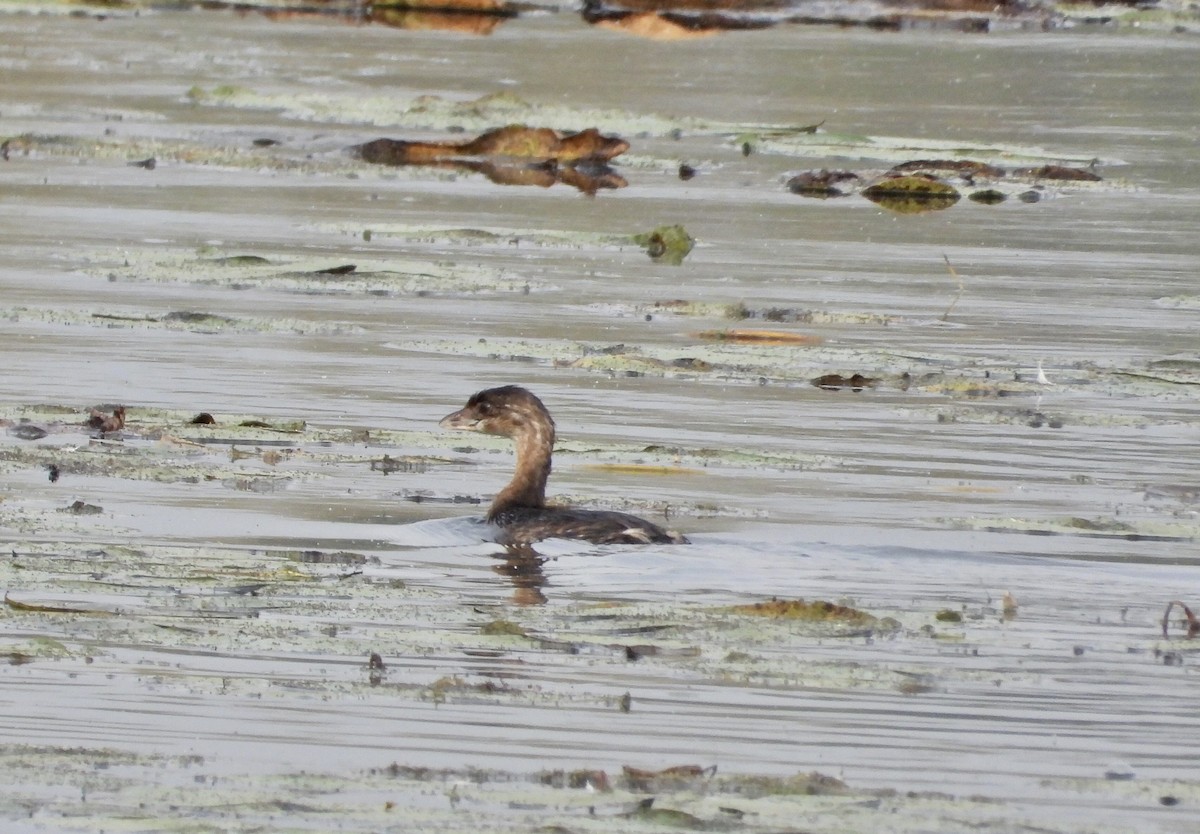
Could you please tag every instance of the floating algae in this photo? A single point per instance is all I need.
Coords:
(372, 277)
(187, 320)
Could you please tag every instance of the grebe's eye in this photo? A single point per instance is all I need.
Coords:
(484, 409)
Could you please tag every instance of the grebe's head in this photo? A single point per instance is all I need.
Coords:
(508, 411)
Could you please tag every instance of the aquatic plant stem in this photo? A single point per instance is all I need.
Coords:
(958, 295)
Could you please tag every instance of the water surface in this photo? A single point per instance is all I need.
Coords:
(220, 641)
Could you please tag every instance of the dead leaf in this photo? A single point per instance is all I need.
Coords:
(798, 609)
(48, 609)
(512, 142)
(776, 337)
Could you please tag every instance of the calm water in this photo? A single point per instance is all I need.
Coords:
(903, 501)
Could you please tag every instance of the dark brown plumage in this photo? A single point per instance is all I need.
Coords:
(520, 509)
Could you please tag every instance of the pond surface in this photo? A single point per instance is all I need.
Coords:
(198, 647)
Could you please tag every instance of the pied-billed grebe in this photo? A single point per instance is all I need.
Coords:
(520, 510)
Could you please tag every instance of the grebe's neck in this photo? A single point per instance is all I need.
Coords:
(535, 444)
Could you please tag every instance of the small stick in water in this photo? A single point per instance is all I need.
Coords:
(958, 295)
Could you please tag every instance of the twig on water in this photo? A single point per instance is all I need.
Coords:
(958, 295)
(1193, 624)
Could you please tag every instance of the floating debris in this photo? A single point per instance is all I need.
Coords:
(918, 185)
(106, 423)
(667, 244)
(240, 260)
(502, 628)
(484, 7)
(675, 19)
(966, 168)
(321, 557)
(48, 609)
(1009, 607)
(912, 193)
(772, 337)
(590, 780)
(533, 144)
(389, 465)
(1193, 624)
(799, 609)
(677, 778)
(28, 431)
(988, 197)
(1058, 172)
(821, 183)
(82, 508)
(836, 382)
(668, 25)
(379, 277)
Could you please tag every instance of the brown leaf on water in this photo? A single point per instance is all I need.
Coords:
(493, 7)
(465, 23)
(799, 609)
(813, 783)
(653, 26)
(467, 17)
(836, 382)
(106, 422)
(1058, 172)
(679, 777)
(821, 183)
(47, 609)
(771, 337)
(511, 142)
(590, 177)
(540, 174)
(596, 780)
(963, 167)
(514, 155)
(696, 5)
